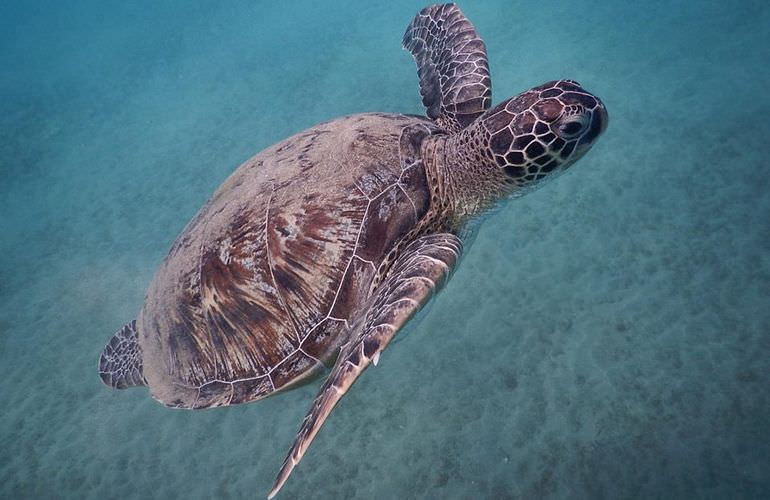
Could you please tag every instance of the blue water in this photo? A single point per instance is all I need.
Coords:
(607, 336)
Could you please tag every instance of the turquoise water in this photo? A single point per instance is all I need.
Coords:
(607, 336)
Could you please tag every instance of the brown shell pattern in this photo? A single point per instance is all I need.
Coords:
(258, 291)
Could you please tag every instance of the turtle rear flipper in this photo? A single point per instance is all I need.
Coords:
(120, 365)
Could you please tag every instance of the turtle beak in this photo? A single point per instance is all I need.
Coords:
(599, 119)
(603, 117)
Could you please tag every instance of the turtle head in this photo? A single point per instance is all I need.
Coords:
(542, 131)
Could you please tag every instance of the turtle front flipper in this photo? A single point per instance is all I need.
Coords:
(120, 365)
(452, 65)
(422, 268)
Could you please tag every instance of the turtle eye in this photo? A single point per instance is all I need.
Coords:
(573, 126)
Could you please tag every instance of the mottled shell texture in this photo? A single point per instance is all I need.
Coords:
(259, 289)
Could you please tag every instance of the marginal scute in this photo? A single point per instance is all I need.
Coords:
(322, 342)
(295, 365)
(248, 390)
(214, 394)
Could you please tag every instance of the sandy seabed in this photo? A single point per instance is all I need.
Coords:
(607, 336)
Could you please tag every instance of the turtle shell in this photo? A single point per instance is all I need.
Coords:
(260, 289)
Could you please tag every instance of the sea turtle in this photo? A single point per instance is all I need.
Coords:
(317, 250)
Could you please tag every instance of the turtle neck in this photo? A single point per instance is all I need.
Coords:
(465, 181)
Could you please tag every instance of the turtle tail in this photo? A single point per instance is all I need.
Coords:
(120, 365)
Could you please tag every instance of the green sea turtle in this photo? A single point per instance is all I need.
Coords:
(317, 250)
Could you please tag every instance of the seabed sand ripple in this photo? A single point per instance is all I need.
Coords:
(605, 336)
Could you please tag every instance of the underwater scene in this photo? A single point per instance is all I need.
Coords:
(605, 336)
